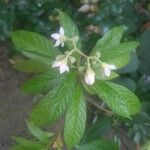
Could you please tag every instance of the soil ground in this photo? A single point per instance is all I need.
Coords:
(14, 105)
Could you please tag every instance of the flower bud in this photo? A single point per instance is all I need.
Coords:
(94, 62)
(98, 54)
(66, 52)
(59, 57)
(89, 76)
(107, 68)
(76, 38)
(72, 59)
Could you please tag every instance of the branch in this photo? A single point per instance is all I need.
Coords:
(95, 103)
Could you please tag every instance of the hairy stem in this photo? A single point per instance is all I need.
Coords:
(75, 49)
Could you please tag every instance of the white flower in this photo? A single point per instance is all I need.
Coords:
(89, 76)
(61, 64)
(59, 37)
(107, 68)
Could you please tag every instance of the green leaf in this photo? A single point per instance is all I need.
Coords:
(30, 66)
(75, 120)
(52, 106)
(146, 146)
(34, 46)
(121, 61)
(127, 82)
(42, 83)
(121, 100)
(70, 28)
(38, 57)
(19, 147)
(99, 145)
(88, 89)
(111, 51)
(98, 129)
(28, 144)
(132, 65)
(110, 39)
(112, 55)
(38, 133)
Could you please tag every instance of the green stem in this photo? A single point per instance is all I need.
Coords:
(75, 49)
(78, 63)
(82, 54)
(72, 41)
(88, 63)
(93, 57)
(70, 53)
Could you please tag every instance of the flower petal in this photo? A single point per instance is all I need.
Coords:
(55, 36)
(62, 44)
(56, 64)
(58, 42)
(63, 68)
(106, 71)
(112, 67)
(89, 80)
(61, 31)
(67, 68)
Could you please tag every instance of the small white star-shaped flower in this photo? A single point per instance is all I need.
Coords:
(89, 76)
(107, 68)
(61, 64)
(59, 37)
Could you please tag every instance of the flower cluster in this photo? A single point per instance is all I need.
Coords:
(64, 61)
